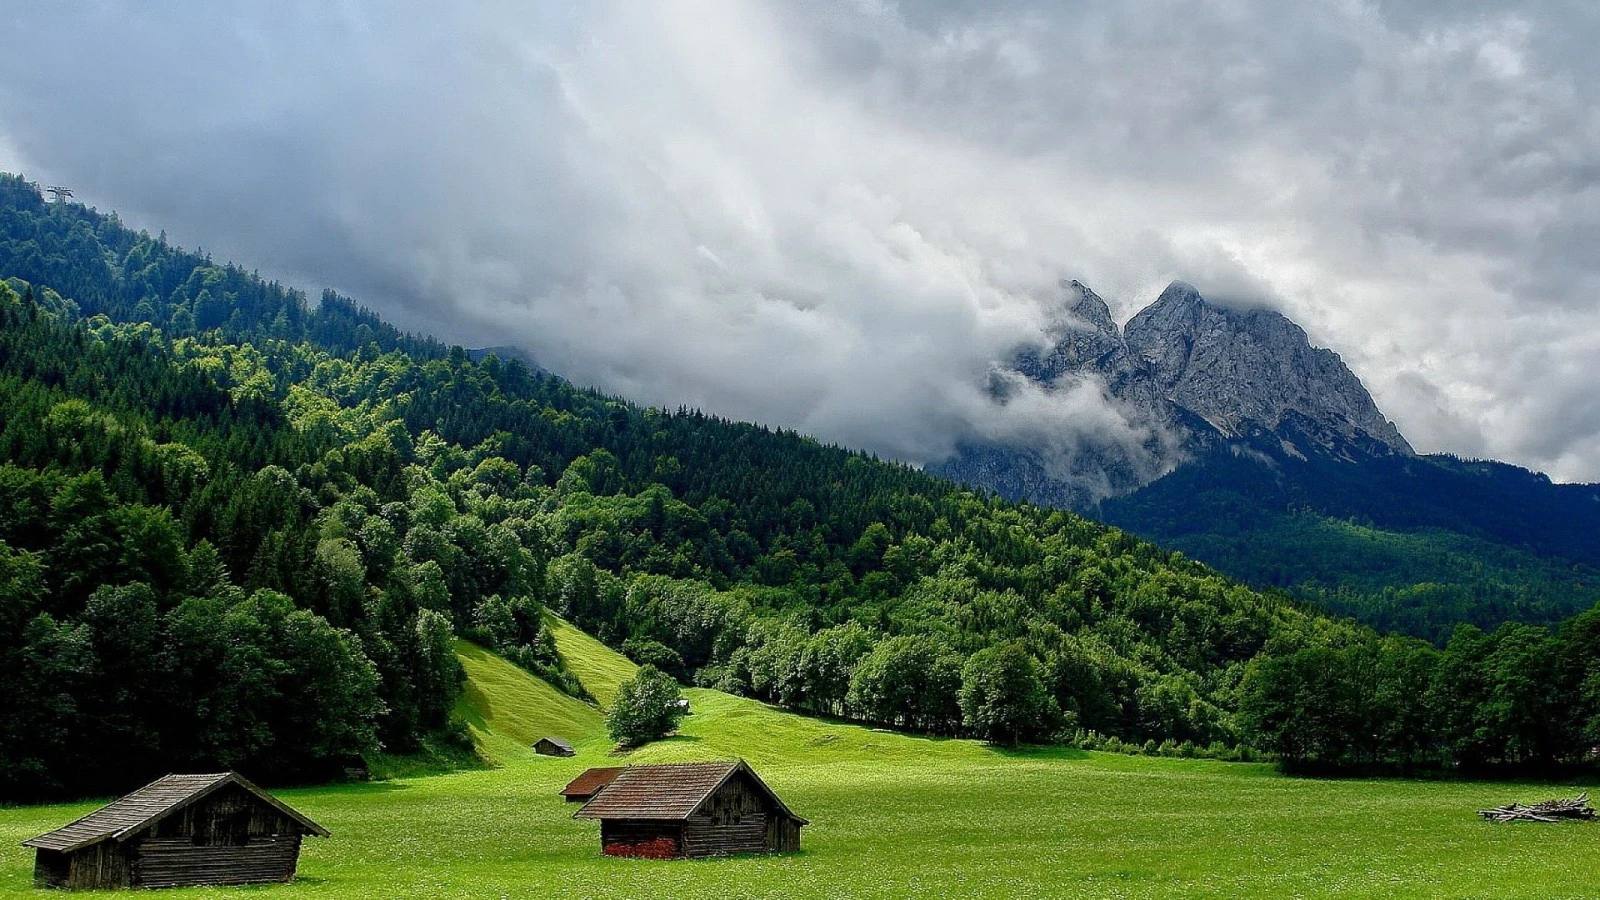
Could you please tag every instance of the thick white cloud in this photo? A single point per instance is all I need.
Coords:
(833, 216)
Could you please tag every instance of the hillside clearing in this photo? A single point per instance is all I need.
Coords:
(896, 816)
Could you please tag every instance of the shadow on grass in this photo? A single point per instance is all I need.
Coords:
(733, 857)
(669, 739)
(846, 722)
(359, 788)
(1578, 777)
(1037, 751)
(708, 860)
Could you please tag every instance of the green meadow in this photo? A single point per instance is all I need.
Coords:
(894, 816)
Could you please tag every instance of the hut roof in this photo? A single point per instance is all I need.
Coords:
(559, 742)
(149, 805)
(590, 781)
(669, 792)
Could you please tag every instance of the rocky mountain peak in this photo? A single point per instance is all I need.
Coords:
(1086, 337)
(1194, 375)
(1241, 367)
(1087, 307)
(1178, 306)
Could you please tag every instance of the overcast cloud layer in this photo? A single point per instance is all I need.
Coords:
(832, 216)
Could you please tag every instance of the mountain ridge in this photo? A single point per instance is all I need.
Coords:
(1273, 452)
(1194, 376)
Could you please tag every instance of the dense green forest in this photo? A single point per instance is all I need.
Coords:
(1409, 544)
(1519, 698)
(239, 529)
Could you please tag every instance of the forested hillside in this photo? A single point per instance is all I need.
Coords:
(241, 530)
(1414, 544)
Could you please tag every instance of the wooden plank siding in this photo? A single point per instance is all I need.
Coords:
(732, 820)
(176, 861)
(724, 840)
(229, 815)
(783, 835)
(103, 865)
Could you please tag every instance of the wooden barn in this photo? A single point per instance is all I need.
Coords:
(691, 809)
(176, 831)
(585, 786)
(553, 746)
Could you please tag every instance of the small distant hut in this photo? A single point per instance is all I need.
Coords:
(691, 809)
(585, 786)
(553, 746)
(177, 831)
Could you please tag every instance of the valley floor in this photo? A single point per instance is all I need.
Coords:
(897, 816)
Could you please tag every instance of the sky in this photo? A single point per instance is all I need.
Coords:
(835, 216)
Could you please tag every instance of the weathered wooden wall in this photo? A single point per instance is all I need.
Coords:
(739, 818)
(732, 820)
(783, 834)
(230, 837)
(176, 861)
(230, 815)
(103, 865)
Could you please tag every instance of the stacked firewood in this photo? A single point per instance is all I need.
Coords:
(1549, 811)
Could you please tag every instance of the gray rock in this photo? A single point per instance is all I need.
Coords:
(1197, 375)
(1234, 367)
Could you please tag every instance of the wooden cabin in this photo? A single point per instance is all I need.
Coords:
(553, 746)
(691, 809)
(177, 831)
(585, 786)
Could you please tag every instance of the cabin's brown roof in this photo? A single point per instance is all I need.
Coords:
(668, 792)
(590, 781)
(559, 742)
(149, 805)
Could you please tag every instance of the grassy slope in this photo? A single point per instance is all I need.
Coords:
(507, 709)
(601, 669)
(898, 816)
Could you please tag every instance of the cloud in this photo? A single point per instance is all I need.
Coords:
(834, 216)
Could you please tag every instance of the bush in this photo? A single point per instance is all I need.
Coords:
(646, 709)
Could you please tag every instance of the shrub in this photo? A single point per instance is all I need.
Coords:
(646, 708)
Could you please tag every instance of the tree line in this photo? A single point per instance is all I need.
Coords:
(1519, 699)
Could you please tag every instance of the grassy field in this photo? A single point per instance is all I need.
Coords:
(895, 816)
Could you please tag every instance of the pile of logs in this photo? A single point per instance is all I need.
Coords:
(1549, 811)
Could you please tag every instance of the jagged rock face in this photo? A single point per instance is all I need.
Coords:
(1087, 339)
(1088, 342)
(1198, 376)
(1234, 367)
